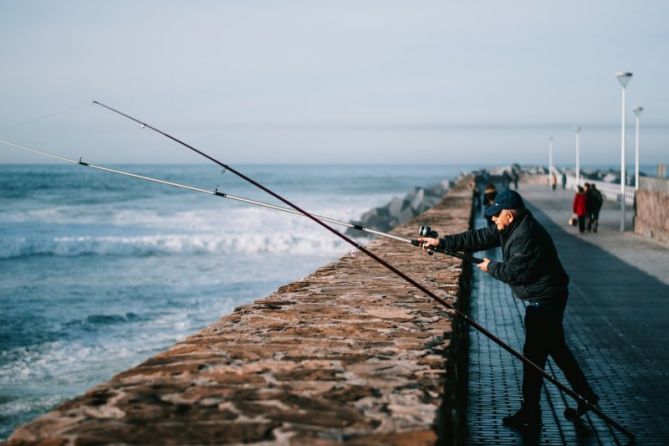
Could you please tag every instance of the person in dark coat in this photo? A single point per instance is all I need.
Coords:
(476, 195)
(594, 202)
(531, 267)
(489, 196)
(580, 208)
(506, 179)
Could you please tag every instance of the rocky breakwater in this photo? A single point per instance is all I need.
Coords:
(349, 354)
(401, 210)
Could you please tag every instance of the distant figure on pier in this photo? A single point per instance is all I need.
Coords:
(563, 179)
(515, 176)
(489, 200)
(580, 208)
(553, 180)
(532, 269)
(506, 179)
(486, 176)
(476, 195)
(594, 204)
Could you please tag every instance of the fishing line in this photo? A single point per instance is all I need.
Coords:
(45, 116)
(399, 273)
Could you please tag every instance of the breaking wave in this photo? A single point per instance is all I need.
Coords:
(170, 244)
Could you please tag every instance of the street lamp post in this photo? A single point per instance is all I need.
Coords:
(577, 130)
(624, 78)
(637, 113)
(550, 161)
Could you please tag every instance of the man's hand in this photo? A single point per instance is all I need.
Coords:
(428, 243)
(483, 266)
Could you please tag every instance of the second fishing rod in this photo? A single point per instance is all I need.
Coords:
(390, 267)
(424, 231)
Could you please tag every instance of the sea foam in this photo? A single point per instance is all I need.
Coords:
(170, 244)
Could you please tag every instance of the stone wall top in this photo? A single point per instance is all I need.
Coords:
(349, 353)
(652, 214)
(654, 184)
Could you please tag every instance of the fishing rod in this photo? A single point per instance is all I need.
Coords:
(390, 267)
(425, 231)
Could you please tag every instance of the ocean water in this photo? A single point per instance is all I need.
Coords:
(98, 272)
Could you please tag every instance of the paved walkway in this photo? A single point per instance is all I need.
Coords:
(616, 325)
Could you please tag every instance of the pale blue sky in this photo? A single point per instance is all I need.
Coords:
(345, 81)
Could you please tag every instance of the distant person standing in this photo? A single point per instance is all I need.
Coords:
(515, 176)
(486, 176)
(553, 181)
(506, 179)
(589, 204)
(595, 202)
(476, 195)
(489, 200)
(580, 208)
(563, 179)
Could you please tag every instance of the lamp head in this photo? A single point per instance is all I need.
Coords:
(624, 77)
(577, 129)
(637, 111)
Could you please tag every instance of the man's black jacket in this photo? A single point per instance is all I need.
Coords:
(531, 265)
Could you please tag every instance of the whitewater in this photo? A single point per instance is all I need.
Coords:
(99, 272)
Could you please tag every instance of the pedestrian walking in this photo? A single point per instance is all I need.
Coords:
(553, 181)
(580, 208)
(595, 202)
(531, 267)
(515, 176)
(563, 180)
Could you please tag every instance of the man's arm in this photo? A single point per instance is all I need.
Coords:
(470, 241)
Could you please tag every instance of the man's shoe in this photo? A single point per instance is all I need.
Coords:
(523, 419)
(532, 431)
(572, 414)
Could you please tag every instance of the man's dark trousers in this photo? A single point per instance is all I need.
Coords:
(544, 335)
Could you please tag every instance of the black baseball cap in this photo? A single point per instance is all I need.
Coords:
(509, 199)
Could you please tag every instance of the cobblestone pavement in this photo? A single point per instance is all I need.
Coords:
(615, 326)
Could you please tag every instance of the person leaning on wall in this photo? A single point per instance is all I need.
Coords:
(532, 268)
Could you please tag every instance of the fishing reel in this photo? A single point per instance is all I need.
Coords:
(426, 231)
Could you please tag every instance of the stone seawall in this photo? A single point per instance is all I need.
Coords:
(652, 214)
(349, 354)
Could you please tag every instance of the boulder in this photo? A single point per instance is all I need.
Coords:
(417, 200)
(400, 210)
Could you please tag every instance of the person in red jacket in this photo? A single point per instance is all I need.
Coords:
(580, 208)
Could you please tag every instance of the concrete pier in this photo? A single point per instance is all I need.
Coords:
(351, 353)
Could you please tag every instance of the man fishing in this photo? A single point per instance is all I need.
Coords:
(488, 238)
(533, 270)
